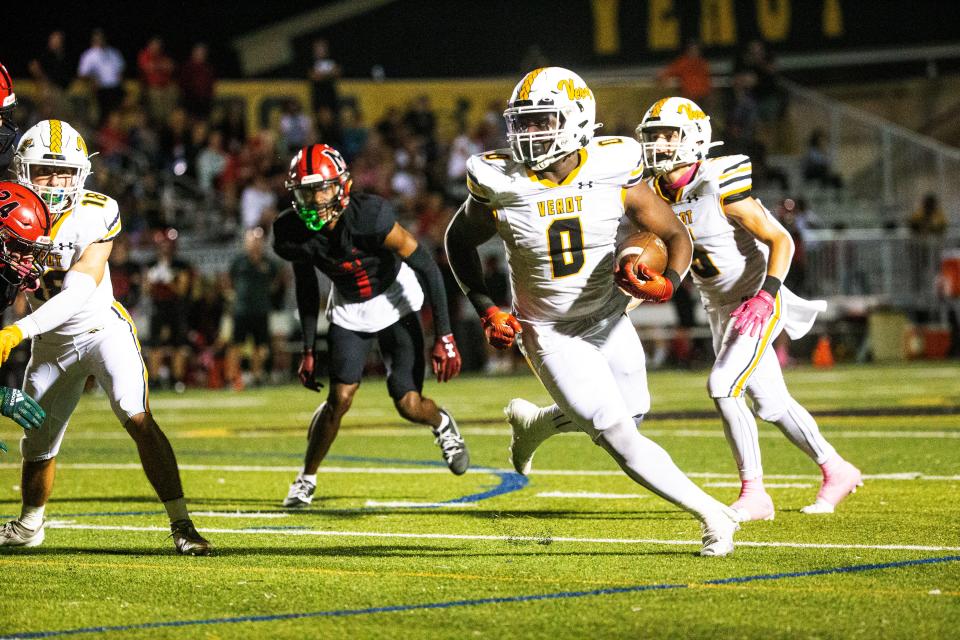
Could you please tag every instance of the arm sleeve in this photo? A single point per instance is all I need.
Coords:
(462, 240)
(426, 267)
(77, 289)
(308, 301)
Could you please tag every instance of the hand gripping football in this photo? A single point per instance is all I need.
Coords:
(641, 247)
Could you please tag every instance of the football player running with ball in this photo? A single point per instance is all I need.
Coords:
(24, 243)
(373, 262)
(741, 256)
(556, 198)
(79, 330)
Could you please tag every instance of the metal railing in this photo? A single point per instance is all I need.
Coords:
(883, 267)
(887, 169)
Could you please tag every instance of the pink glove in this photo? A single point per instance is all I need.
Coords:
(753, 313)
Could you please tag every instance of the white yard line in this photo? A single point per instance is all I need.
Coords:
(766, 485)
(241, 514)
(418, 470)
(594, 496)
(419, 505)
(208, 431)
(538, 539)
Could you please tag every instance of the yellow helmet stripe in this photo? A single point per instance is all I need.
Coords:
(524, 93)
(56, 136)
(655, 111)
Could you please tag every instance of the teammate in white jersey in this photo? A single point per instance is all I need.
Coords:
(741, 256)
(556, 198)
(79, 330)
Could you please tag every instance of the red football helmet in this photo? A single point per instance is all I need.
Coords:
(8, 99)
(319, 170)
(24, 234)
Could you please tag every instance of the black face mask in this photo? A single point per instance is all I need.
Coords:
(8, 136)
(8, 286)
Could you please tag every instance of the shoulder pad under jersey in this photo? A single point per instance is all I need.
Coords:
(100, 212)
(728, 176)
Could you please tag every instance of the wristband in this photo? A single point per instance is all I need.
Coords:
(771, 285)
(673, 277)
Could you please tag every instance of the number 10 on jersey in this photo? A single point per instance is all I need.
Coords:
(565, 241)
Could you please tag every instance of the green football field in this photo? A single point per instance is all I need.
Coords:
(396, 546)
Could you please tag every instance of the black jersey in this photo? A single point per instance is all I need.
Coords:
(352, 253)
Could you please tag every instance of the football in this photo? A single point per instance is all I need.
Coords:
(650, 248)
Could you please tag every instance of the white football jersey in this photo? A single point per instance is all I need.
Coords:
(560, 238)
(96, 218)
(728, 262)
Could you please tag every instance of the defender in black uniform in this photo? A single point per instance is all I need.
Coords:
(373, 263)
(8, 128)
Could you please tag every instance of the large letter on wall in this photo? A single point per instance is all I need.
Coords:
(773, 16)
(717, 23)
(663, 27)
(832, 19)
(606, 27)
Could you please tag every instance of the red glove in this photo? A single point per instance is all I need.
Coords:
(641, 282)
(753, 313)
(308, 371)
(500, 327)
(446, 358)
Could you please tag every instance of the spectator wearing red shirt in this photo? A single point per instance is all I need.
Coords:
(156, 75)
(692, 71)
(197, 82)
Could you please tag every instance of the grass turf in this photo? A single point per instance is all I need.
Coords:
(464, 571)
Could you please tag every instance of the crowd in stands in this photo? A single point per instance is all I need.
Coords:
(171, 137)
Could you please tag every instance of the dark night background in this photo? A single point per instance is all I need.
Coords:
(412, 38)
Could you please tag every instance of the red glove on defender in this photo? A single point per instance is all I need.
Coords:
(446, 358)
(500, 327)
(308, 371)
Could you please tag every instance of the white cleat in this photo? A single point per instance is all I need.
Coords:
(718, 530)
(300, 495)
(528, 432)
(14, 534)
(820, 506)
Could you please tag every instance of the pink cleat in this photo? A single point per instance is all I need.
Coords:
(753, 504)
(840, 479)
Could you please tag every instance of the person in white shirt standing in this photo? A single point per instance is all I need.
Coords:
(103, 66)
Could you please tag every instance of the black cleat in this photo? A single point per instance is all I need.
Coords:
(188, 540)
(452, 446)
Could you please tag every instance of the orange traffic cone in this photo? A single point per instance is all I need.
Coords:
(822, 355)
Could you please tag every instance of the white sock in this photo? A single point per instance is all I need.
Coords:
(31, 517)
(648, 464)
(176, 509)
(740, 427)
(309, 477)
(801, 429)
